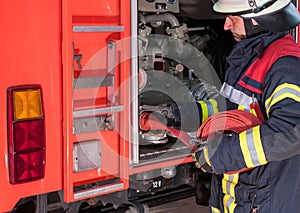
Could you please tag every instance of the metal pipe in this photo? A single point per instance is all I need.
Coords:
(142, 18)
(167, 17)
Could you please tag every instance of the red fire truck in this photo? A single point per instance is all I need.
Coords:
(75, 77)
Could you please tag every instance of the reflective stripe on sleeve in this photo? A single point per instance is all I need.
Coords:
(209, 108)
(206, 156)
(204, 110)
(251, 146)
(281, 92)
(235, 96)
(214, 105)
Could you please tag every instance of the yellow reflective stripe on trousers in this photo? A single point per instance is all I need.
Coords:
(228, 184)
(251, 146)
(204, 110)
(281, 92)
(215, 210)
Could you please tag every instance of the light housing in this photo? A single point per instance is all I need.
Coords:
(26, 133)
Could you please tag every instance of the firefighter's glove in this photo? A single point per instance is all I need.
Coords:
(202, 156)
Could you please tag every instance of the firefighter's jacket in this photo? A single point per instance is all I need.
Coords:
(271, 149)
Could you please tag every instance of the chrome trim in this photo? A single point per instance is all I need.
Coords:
(97, 111)
(134, 154)
(93, 82)
(97, 29)
(97, 191)
(111, 68)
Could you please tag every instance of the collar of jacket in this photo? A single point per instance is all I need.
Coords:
(245, 52)
(250, 48)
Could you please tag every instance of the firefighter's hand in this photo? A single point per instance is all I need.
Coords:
(202, 160)
(203, 154)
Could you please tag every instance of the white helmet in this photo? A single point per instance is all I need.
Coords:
(273, 15)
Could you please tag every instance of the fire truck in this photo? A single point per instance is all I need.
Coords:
(76, 75)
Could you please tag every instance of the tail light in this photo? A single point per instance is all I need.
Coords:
(26, 134)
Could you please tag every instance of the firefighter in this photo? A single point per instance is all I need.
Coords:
(263, 69)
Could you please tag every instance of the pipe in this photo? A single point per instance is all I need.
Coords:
(167, 17)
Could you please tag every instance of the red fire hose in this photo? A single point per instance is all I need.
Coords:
(234, 121)
(148, 121)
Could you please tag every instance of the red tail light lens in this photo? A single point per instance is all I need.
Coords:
(28, 166)
(26, 134)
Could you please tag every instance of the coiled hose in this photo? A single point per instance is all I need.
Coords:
(231, 121)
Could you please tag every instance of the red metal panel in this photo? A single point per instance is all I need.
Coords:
(31, 54)
(107, 8)
(89, 28)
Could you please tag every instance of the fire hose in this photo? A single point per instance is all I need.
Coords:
(148, 121)
(231, 121)
(226, 122)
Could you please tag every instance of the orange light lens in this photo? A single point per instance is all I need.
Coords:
(27, 104)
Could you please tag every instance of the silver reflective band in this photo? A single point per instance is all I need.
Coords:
(251, 147)
(284, 93)
(236, 96)
(97, 111)
(229, 202)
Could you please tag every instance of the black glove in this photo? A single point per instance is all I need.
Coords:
(202, 161)
(203, 154)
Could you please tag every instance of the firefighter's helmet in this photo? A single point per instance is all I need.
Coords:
(273, 15)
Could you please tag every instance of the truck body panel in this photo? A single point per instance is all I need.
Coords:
(31, 54)
(95, 64)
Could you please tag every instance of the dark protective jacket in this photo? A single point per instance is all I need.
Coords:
(273, 148)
